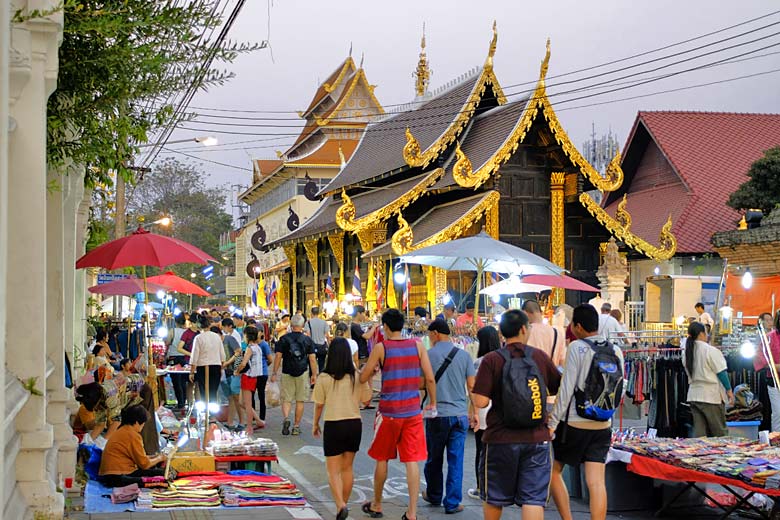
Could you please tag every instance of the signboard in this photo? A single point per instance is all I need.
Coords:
(108, 277)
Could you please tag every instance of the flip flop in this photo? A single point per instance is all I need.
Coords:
(366, 508)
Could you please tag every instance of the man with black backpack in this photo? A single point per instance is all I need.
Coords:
(515, 464)
(591, 390)
(295, 352)
(454, 376)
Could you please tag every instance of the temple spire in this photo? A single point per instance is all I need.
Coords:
(422, 73)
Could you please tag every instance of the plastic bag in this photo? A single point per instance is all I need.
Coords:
(272, 395)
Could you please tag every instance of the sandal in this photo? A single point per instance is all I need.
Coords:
(366, 508)
(404, 517)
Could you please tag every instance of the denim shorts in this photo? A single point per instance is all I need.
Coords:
(515, 474)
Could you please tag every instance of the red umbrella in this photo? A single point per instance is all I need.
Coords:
(563, 281)
(142, 248)
(178, 284)
(126, 287)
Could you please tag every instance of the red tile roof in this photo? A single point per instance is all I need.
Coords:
(711, 152)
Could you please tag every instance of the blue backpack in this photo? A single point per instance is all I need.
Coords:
(603, 384)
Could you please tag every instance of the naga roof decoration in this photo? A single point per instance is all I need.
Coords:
(402, 241)
(345, 216)
(620, 226)
(413, 153)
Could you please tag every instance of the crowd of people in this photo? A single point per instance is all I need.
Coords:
(529, 398)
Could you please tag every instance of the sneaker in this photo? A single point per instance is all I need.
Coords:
(286, 427)
(296, 430)
(474, 493)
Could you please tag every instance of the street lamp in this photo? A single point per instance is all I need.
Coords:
(192, 275)
(208, 140)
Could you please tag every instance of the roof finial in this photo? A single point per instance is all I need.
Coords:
(492, 48)
(545, 63)
(362, 55)
(350, 49)
(341, 157)
(422, 73)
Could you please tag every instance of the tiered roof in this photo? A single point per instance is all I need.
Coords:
(709, 154)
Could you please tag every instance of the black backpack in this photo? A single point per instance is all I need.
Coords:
(523, 391)
(299, 360)
(603, 384)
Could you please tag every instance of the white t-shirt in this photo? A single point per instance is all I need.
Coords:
(609, 328)
(708, 362)
(353, 346)
(207, 350)
(705, 319)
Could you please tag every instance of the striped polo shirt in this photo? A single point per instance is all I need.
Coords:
(400, 379)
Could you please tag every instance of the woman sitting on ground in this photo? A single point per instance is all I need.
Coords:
(124, 460)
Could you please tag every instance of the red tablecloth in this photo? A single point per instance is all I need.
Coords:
(653, 468)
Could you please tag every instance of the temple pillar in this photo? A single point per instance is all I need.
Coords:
(79, 356)
(312, 254)
(612, 274)
(557, 233)
(491, 221)
(440, 282)
(337, 245)
(289, 251)
(33, 75)
(59, 398)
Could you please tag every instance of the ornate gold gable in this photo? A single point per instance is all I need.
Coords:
(403, 238)
(360, 76)
(345, 215)
(620, 228)
(415, 156)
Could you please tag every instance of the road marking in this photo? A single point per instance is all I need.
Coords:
(310, 488)
(315, 451)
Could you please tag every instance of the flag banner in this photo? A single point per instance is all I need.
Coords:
(380, 293)
(357, 291)
(329, 292)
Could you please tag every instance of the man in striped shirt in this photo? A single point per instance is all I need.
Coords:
(398, 429)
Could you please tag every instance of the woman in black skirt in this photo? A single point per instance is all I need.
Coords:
(338, 392)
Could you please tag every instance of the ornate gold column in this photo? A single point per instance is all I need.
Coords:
(289, 251)
(491, 220)
(337, 245)
(440, 282)
(557, 234)
(311, 253)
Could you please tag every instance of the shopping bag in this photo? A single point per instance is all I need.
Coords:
(366, 393)
(272, 395)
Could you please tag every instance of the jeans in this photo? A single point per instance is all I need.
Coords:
(445, 433)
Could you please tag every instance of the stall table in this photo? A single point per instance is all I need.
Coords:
(265, 462)
(656, 469)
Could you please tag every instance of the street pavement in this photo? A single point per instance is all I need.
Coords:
(302, 460)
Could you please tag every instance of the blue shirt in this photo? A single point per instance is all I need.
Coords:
(451, 395)
(266, 352)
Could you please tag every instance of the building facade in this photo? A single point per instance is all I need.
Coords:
(42, 232)
(284, 191)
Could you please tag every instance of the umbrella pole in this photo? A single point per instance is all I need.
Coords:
(151, 372)
(476, 299)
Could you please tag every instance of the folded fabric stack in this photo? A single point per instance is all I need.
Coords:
(244, 494)
(155, 482)
(186, 498)
(752, 412)
(244, 446)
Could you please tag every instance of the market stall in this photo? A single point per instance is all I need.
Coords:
(732, 463)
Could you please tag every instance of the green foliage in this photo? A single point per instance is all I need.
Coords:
(178, 190)
(121, 63)
(97, 233)
(762, 189)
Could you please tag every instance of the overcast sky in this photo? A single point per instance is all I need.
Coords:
(309, 38)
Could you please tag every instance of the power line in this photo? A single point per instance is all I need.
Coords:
(207, 160)
(640, 96)
(593, 67)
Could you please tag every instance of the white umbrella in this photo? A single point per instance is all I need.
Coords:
(513, 285)
(482, 253)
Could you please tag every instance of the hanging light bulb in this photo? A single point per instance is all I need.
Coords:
(399, 277)
(747, 279)
(747, 349)
(160, 294)
(496, 299)
(162, 332)
(657, 270)
(446, 298)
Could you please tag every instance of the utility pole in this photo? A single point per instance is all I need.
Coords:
(119, 228)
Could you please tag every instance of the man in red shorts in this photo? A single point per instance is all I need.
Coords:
(398, 429)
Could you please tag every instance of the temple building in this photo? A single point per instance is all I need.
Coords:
(284, 190)
(451, 163)
(688, 163)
